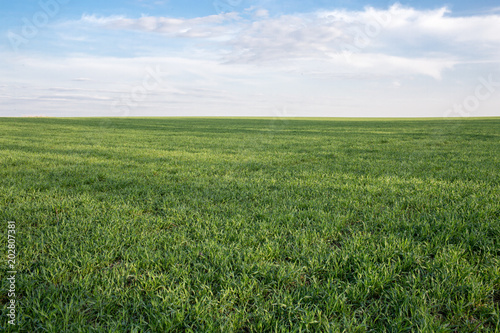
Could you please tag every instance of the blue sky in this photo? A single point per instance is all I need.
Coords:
(343, 58)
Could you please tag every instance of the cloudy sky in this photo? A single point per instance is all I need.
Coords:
(343, 58)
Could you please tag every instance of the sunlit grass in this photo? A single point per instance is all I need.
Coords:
(222, 225)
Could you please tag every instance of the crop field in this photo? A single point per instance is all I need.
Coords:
(251, 224)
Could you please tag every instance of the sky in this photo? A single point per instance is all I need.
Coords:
(346, 58)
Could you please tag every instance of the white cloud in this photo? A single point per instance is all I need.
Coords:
(257, 13)
(377, 40)
(261, 13)
(386, 65)
(435, 24)
(201, 27)
(396, 31)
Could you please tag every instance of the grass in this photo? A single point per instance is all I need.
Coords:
(252, 225)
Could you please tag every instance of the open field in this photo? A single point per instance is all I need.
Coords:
(252, 225)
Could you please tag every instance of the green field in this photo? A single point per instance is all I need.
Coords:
(252, 225)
